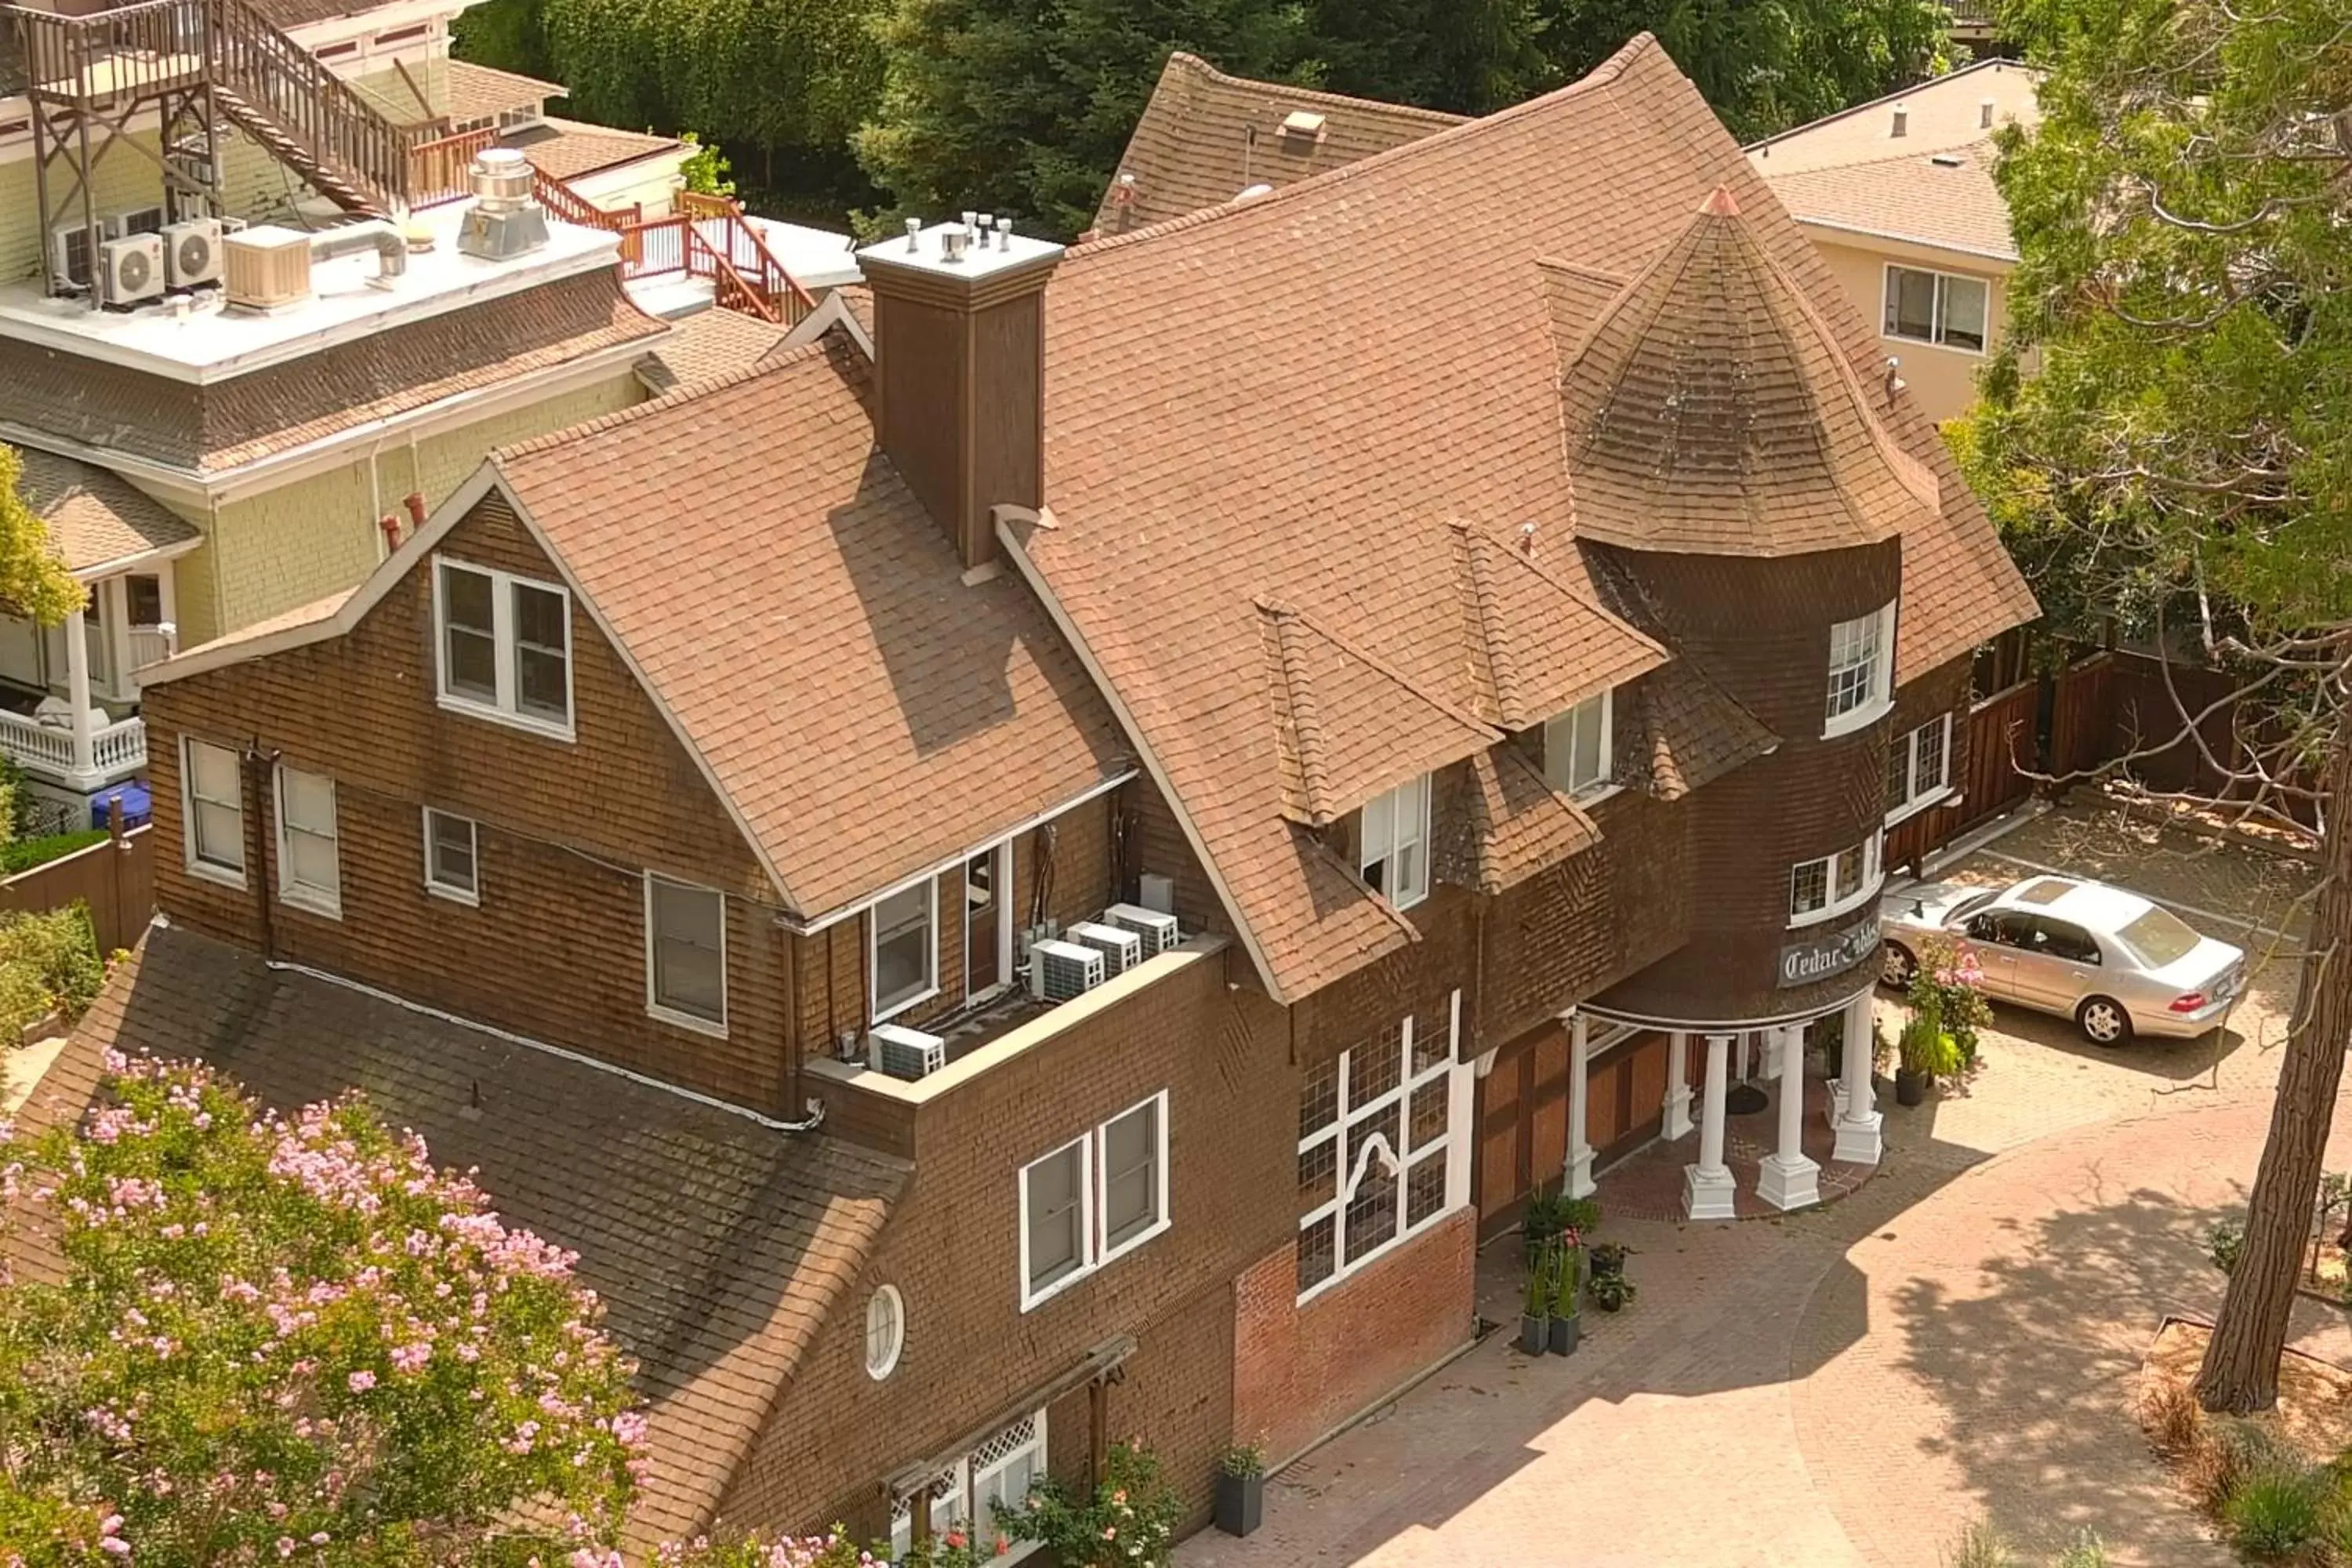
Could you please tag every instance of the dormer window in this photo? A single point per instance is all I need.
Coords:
(1861, 671)
(1395, 836)
(1577, 747)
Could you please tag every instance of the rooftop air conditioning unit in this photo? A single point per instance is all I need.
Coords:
(1154, 892)
(267, 267)
(1060, 970)
(904, 1053)
(1157, 928)
(133, 267)
(192, 252)
(1121, 949)
(69, 253)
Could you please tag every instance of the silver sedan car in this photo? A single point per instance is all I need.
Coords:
(2115, 962)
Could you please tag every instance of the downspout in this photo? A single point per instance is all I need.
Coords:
(257, 840)
(789, 960)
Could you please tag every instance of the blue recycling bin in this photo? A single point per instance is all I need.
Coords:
(138, 805)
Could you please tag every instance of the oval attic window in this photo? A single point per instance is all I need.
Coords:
(886, 1331)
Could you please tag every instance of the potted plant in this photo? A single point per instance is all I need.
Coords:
(1567, 1293)
(1606, 1260)
(1241, 1488)
(1542, 1220)
(1535, 1311)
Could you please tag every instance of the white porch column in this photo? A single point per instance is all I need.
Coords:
(1789, 1180)
(1708, 1191)
(1678, 1121)
(1580, 1151)
(85, 739)
(1859, 1138)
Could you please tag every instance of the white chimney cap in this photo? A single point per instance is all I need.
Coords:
(926, 249)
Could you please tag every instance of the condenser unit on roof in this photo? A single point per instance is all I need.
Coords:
(131, 268)
(1121, 949)
(192, 252)
(904, 1053)
(1157, 929)
(1060, 970)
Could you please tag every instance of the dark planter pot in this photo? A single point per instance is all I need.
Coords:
(1533, 1334)
(1240, 1502)
(1910, 1087)
(1564, 1334)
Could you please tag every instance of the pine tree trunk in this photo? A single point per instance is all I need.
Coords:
(2240, 1371)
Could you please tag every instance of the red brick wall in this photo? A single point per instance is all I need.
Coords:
(1299, 1370)
(953, 1250)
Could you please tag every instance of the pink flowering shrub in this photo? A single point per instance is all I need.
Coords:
(1948, 991)
(1130, 1522)
(294, 1341)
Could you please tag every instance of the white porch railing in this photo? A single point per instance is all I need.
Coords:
(119, 749)
(153, 644)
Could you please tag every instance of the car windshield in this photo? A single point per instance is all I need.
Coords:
(1970, 906)
(2158, 937)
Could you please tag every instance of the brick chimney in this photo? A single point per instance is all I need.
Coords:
(960, 360)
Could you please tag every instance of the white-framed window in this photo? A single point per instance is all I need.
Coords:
(1577, 747)
(886, 1331)
(503, 645)
(309, 873)
(965, 1496)
(1374, 1127)
(453, 867)
(1862, 671)
(1395, 858)
(1942, 308)
(1093, 1200)
(212, 811)
(685, 954)
(1824, 889)
(902, 948)
(1919, 768)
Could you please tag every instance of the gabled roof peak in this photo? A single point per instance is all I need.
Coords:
(1722, 204)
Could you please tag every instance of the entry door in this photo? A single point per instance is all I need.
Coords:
(984, 917)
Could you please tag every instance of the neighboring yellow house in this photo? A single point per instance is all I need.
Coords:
(1898, 195)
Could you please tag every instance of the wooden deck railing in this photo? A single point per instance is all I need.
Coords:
(438, 170)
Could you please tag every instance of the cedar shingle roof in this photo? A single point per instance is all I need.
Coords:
(795, 608)
(711, 342)
(1945, 199)
(207, 429)
(1204, 136)
(1289, 398)
(567, 149)
(717, 1243)
(95, 518)
(1711, 410)
(1513, 824)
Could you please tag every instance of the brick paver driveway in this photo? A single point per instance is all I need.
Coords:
(1852, 1385)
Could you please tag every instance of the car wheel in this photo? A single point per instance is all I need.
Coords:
(1895, 965)
(2102, 1022)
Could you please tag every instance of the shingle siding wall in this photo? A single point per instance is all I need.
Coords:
(556, 950)
(953, 1250)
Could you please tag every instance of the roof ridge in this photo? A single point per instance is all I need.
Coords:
(1502, 669)
(768, 363)
(1599, 78)
(1299, 709)
(1313, 94)
(1914, 155)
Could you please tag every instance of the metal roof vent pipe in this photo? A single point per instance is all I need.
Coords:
(507, 220)
(1902, 119)
(954, 244)
(378, 234)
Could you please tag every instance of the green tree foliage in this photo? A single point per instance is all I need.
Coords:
(706, 170)
(2185, 445)
(293, 1341)
(508, 34)
(1466, 57)
(34, 582)
(1024, 105)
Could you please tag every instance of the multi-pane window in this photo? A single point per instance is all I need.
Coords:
(1861, 668)
(452, 863)
(1819, 890)
(686, 954)
(1395, 858)
(1576, 747)
(213, 810)
(1093, 1199)
(967, 1494)
(1936, 308)
(505, 645)
(902, 950)
(309, 873)
(1918, 767)
(1374, 1127)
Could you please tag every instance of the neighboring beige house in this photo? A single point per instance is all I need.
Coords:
(1898, 196)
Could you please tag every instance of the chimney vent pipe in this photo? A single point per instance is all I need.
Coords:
(954, 243)
(987, 226)
(1902, 119)
(1004, 233)
(914, 234)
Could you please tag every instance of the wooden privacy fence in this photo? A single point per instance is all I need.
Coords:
(116, 879)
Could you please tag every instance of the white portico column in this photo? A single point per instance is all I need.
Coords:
(1789, 1180)
(1859, 1142)
(1678, 1121)
(85, 740)
(1707, 1190)
(1580, 1151)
